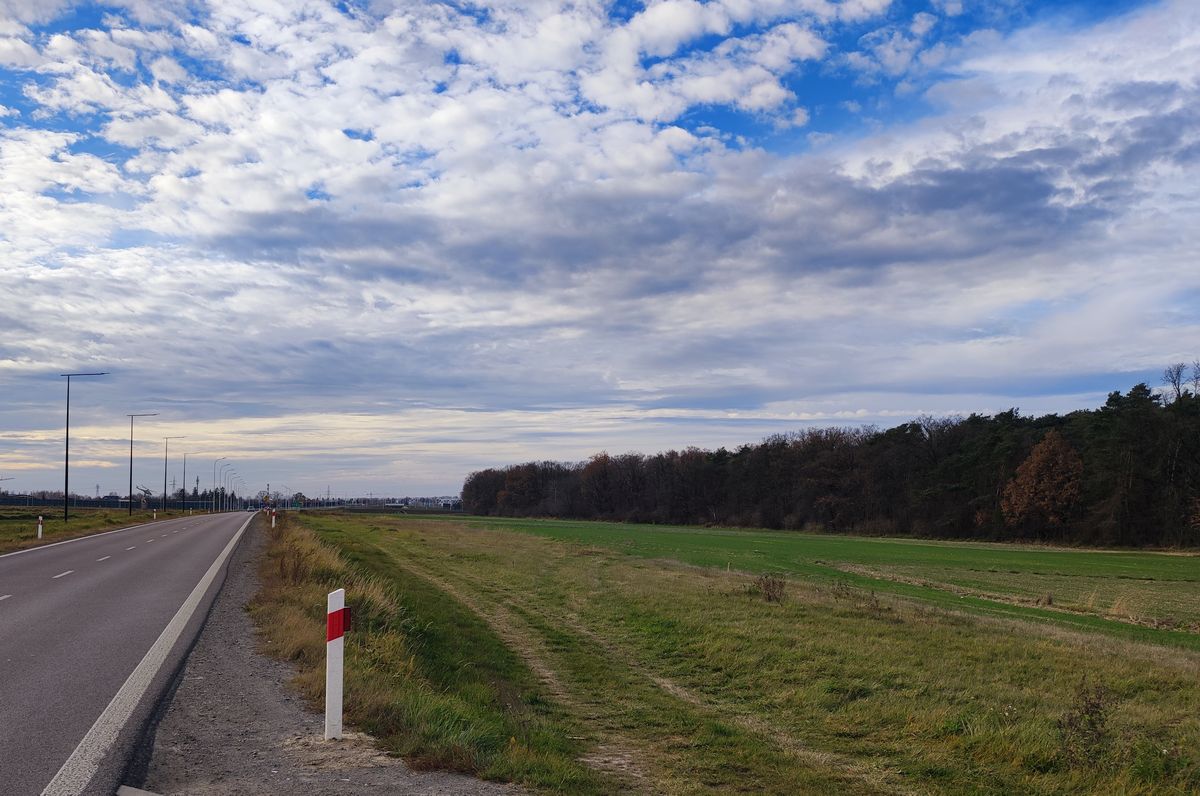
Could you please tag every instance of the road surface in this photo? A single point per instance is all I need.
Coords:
(91, 631)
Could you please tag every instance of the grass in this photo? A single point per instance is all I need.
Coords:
(653, 663)
(1140, 596)
(18, 524)
(425, 675)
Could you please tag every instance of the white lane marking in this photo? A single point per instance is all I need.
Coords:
(148, 541)
(62, 574)
(131, 548)
(84, 762)
(5, 596)
(104, 559)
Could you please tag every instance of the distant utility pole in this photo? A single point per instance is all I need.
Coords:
(67, 446)
(166, 444)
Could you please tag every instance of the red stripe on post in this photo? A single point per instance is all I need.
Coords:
(336, 624)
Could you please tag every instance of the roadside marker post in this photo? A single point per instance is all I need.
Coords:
(39, 526)
(272, 518)
(337, 622)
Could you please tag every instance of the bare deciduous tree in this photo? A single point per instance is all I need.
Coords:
(1196, 377)
(1173, 378)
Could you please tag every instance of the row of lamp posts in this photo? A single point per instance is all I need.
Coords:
(229, 479)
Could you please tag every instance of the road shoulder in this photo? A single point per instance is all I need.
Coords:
(232, 726)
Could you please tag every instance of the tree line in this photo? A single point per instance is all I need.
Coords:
(1125, 474)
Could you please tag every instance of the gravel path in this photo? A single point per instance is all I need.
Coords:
(233, 727)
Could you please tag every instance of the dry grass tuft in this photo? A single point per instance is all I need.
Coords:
(1083, 729)
(770, 587)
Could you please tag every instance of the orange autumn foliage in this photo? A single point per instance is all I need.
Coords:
(1046, 486)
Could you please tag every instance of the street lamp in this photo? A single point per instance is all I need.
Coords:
(233, 477)
(221, 504)
(214, 488)
(67, 446)
(131, 417)
(166, 445)
(185, 480)
(226, 484)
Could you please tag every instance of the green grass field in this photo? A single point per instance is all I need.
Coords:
(612, 658)
(1131, 594)
(18, 524)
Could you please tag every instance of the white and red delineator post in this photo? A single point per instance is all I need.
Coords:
(337, 622)
(39, 526)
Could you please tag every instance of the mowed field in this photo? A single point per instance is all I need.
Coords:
(589, 657)
(18, 524)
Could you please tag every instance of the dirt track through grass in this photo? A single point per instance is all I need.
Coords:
(618, 756)
(532, 649)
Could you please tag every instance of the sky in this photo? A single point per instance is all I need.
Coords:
(373, 245)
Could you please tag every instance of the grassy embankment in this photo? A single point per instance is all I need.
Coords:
(18, 524)
(646, 655)
(424, 675)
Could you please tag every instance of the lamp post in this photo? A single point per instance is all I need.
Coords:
(166, 445)
(221, 503)
(232, 475)
(214, 487)
(67, 446)
(185, 481)
(131, 417)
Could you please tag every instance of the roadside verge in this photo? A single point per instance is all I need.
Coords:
(231, 725)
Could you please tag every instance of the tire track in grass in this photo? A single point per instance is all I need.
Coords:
(618, 759)
(880, 778)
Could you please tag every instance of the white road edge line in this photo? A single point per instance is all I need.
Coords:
(84, 762)
(104, 559)
(62, 574)
(5, 596)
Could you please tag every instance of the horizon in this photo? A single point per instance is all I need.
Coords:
(352, 494)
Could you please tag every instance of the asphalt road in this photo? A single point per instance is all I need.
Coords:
(91, 632)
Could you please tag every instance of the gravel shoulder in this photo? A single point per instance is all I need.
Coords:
(232, 726)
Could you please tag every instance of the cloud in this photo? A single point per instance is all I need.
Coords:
(407, 241)
(18, 53)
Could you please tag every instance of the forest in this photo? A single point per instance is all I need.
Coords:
(1126, 474)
